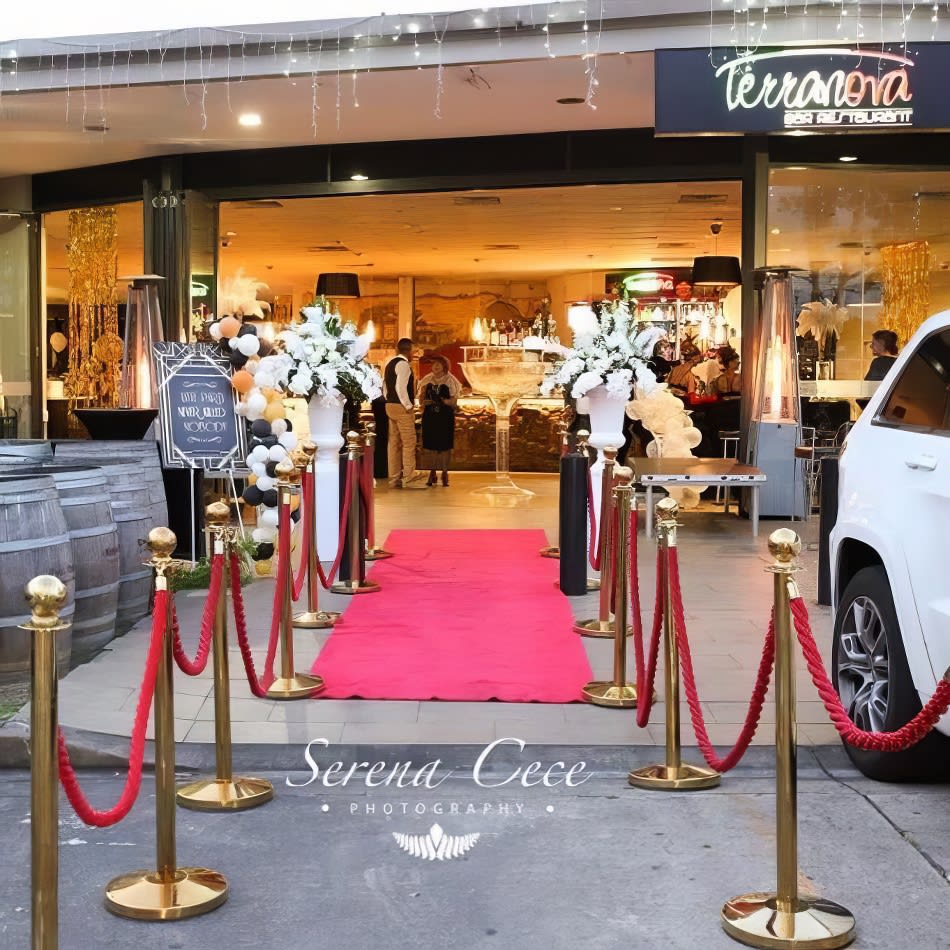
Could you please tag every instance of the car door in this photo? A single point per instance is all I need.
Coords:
(913, 427)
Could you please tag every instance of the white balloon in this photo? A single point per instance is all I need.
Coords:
(278, 427)
(252, 365)
(260, 453)
(248, 344)
(264, 380)
(233, 342)
(214, 331)
(277, 453)
(241, 408)
(288, 440)
(270, 534)
(266, 483)
(259, 469)
(268, 518)
(256, 403)
(259, 535)
(249, 462)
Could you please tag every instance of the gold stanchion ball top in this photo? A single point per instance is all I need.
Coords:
(582, 435)
(308, 448)
(162, 541)
(218, 514)
(371, 427)
(300, 459)
(610, 453)
(623, 476)
(286, 471)
(667, 509)
(353, 440)
(784, 545)
(45, 595)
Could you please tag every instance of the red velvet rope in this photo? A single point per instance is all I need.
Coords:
(593, 551)
(366, 490)
(896, 741)
(240, 623)
(306, 533)
(283, 566)
(327, 579)
(692, 698)
(646, 673)
(197, 666)
(133, 781)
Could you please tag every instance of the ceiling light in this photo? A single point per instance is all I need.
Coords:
(795, 168)
(359, 177)
(776, 231)
(616, 208)
(800, 132)
(848, 158)
(230, 233)
(249, 119)
(571, 101)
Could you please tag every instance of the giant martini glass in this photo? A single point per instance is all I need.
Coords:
(504, 380)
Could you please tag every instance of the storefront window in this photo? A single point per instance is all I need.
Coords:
(874, 253)
(15, 407)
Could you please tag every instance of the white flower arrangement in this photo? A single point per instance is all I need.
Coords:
(321, 357)
(611, 356)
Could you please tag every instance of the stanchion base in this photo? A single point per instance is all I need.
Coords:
(593, 583)
(354, 587)
(553, 551)
(316, 619)
(816, 924)
(609, 694)
(218, 794)
(376, 554)
(597, 628)
(296, 687)
(143, 895)
(682, 779)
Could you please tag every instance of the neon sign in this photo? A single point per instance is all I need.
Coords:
(875, 90)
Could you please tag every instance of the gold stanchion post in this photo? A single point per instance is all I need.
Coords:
(603, 625)
(46, 595)
(783, 918)
(674, 775)
(554, 550)
(355, 584)
(618, 692)
(290, 684)
(169, 892)
(313, 618)
(224, 792)
(373, 553)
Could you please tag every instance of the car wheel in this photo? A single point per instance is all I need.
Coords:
(870, 672)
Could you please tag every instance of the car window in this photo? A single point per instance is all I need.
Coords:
(921, 396)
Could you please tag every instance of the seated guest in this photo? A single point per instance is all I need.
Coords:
(884, 351)
(681, 379)
(662, 360)
(728, 383)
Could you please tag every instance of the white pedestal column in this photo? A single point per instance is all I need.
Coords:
(326, 427)
(606, 428)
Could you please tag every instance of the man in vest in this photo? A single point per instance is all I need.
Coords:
(400, 392)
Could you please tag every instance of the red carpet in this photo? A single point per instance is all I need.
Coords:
(462, 615)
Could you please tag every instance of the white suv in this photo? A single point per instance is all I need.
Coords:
(890, 556)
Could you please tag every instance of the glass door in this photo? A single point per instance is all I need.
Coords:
(19, 405)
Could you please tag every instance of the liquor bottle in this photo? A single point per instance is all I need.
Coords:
(512, 340)
(503, 334)
(493, 334)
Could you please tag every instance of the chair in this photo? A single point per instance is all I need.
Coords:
(730, 450)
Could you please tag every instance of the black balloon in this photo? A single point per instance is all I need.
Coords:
(264, 551)
(290, 426)
(260, 428)
(253, 496)
(270, 498)
(238, 359)
(247, 328)
(265, 348)
(270, 441)
(271, 469)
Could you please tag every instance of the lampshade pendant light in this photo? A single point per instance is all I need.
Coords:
(338, 285)
(713, 271)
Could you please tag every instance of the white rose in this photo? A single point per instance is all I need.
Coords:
(300, 383)
(584, 383)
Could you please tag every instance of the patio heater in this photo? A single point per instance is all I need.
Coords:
(775, 427)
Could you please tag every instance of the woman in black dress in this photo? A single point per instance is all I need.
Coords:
(439, 391)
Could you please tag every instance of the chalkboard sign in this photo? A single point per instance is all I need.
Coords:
(200, 428)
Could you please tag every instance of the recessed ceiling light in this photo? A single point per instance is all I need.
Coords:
(776, 231)
(249, 119)
(848, 158)
(359, 177)
(571, 101)
(230, 233)
(616, 208)
(795, 168)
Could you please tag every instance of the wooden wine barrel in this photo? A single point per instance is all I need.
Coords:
(94, 537)
(28, 451)
(145, 485)
(135, 579)
(34, 540)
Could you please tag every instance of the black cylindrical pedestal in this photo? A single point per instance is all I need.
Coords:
(827, 517)
(381, 449)
(572, 522)
(344, 573)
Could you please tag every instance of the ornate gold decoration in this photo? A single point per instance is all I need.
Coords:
(905, 287)
(95, 347)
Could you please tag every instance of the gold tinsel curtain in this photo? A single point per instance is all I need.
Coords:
(905, 288)
(95, 347)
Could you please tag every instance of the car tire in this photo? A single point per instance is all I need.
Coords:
(873, 680)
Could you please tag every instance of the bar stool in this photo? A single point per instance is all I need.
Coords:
(730, 450)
